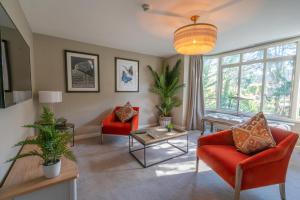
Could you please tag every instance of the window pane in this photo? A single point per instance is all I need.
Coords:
(232, 59)
(229, 88)
(278, 88)
(250, 89)
(210, 77)
(255, 55)
(282, 50)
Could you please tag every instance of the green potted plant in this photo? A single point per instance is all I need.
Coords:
(52, 144)
(170, 127)
(166, 86)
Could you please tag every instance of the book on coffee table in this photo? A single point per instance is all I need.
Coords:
(159, 134)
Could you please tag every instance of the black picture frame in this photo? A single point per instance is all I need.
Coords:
(88, 57)
(7, 102)
(117, 79)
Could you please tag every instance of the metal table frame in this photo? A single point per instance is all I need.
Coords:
(145, 146)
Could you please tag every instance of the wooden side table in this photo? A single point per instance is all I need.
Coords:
(66, 127)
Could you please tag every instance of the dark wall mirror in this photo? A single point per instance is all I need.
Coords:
(15, 70)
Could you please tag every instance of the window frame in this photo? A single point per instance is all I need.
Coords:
(295, 87)
(221, 85)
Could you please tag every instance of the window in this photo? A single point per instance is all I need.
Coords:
(210, 78)
(256, 55)
(251, 87)
(227, 60)
(252, 81)
(229, 88)
(282, 50)
(278, 88)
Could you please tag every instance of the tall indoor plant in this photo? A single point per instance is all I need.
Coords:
(166, 86)
(52, 144)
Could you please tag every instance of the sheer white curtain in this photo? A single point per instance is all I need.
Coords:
(195, 109)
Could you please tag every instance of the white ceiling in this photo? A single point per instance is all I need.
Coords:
(122, 24)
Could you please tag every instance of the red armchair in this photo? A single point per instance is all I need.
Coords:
(243, 171)
(113, 126)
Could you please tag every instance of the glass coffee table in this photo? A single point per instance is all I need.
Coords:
(154, 136)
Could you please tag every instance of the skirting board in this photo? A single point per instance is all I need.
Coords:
(84, 136)
(147, 125)
(97, 134)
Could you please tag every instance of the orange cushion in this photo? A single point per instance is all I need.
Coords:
(254, 135)
(223, 159)
(125, 113)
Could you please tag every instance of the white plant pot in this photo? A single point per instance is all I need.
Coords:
(52, 171)
(164, 121)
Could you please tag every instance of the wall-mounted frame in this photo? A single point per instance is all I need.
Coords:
(126, 75)
(82, 72)
(15, 68)
(6, 68)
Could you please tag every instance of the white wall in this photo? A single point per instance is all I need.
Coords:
(13, 118)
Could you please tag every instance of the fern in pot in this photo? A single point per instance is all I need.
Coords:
(166, 86)
(52, 144)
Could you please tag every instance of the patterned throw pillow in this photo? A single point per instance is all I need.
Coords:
(126, 112)
(254, 135)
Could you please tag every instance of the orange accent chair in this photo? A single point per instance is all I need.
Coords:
(113, 126)
(243, 171)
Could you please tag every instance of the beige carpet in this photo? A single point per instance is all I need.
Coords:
(109, 172)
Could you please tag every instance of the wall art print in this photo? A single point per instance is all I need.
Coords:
(82, 72)
(126, 75)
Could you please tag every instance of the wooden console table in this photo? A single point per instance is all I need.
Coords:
(26, 180)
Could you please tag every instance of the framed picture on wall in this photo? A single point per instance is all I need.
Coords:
(6, 75)
(82, 72)
(126, 75)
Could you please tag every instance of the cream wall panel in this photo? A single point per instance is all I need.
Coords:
(87, 109)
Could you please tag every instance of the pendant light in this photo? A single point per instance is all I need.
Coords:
(196, 38)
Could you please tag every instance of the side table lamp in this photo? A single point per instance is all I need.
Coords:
(50, 97)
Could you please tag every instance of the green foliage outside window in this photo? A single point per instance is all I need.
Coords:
(242, 77)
